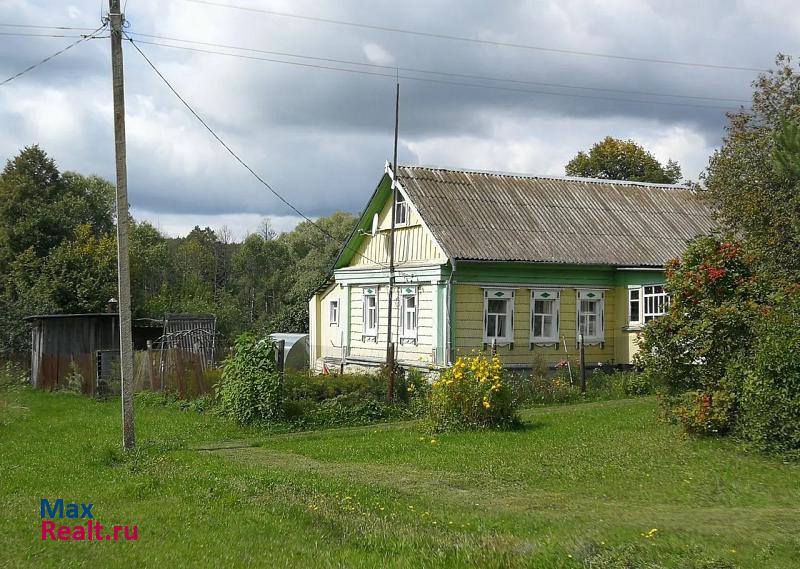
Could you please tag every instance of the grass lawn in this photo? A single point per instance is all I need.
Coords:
(577, 487)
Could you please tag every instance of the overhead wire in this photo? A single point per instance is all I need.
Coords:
(56, 54)
(440, 81)
(397, 69)
(40, 27)
(32, 35)
(477, 40)
(230, 151)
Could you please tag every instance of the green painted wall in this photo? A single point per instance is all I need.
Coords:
(535, 273)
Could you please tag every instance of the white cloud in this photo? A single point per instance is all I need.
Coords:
(378, 55)
(544, 145)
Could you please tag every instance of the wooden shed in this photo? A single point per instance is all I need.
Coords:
(83, 341)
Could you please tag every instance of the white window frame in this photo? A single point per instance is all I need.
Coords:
(638, 322)
(400, 207)
(369, 292)
(546, 294)
(653, 299)
(586, 294)
(499, 294)
(406, 294)
(333, 312)
(647, 300)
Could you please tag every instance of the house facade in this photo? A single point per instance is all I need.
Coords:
(521, 263)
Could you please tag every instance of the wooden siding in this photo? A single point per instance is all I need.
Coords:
(419, 352)
(413, 243)
(330, 336)
(469, 328)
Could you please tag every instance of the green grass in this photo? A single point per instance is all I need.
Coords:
(577, 487)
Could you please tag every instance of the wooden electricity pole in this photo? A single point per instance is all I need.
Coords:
(116, 18)
(389, 343)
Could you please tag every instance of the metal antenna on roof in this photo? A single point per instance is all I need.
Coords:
(389, 343)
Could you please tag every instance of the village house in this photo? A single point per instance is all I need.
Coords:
(521, 262)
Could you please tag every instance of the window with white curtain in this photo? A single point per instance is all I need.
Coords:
(590, 315)
(370, 312)
(544, 316)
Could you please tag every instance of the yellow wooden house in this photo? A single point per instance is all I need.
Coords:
(519, 262)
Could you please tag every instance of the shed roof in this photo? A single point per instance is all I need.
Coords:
(493, 216)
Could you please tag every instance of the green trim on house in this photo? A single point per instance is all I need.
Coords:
(535, 273)
(364, 225)
(439, 313)
(348, 330)
(637, 278)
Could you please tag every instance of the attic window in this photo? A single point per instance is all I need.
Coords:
(400, 209)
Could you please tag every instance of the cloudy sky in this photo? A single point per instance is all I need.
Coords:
(321, 136)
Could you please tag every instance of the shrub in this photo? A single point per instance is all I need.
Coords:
(705, 413)
(634, 384)
(13, 375)
(770, 398)
(73, 381)
(251, 389)
(472, 394)
(304, 385)
(708, 325)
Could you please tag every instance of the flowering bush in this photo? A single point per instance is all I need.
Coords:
(705, 413)
(472, 394)
(708, 326)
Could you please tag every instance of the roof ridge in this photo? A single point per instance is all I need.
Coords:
(546, 177)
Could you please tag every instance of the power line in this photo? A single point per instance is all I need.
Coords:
(239, 160)
(439, 81)
(434, 72)
(30, 35)
(477, 41)
(38, 27)
(49, 57)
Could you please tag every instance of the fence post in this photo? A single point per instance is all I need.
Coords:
(150, 364)
(583, 364)
(281, 347)
(341, 341)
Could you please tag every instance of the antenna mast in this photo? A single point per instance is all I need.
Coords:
(390, 364)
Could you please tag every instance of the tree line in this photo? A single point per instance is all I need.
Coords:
(58, 255)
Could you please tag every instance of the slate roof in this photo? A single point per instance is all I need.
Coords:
(515, 217)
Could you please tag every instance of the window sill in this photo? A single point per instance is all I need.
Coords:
(500, 341)
(544, 341)
(632, 328)
(368, 338)
(408, 340)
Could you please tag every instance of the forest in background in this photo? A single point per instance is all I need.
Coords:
(58, 255)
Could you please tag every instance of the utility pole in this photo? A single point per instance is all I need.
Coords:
(116, 18)
(389, 343)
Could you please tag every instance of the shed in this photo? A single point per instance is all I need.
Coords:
(295, 354)
(59, 341)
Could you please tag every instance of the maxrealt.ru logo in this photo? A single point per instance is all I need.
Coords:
(91, 530)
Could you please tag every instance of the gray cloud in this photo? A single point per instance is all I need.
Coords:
(321, 137)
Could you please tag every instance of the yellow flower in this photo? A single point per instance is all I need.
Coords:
(486, 404)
